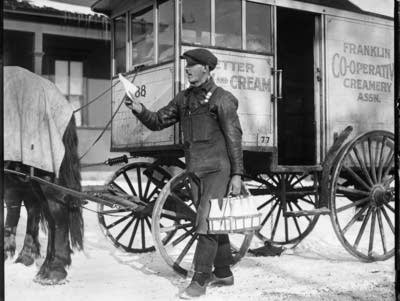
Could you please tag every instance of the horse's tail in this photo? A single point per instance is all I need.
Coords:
(70, 176)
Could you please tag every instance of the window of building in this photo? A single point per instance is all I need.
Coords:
(258, 27)
(196, 22)
(119, 25)
(69, 80)
(228, 25)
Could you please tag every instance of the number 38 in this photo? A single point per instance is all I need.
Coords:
(141, 92)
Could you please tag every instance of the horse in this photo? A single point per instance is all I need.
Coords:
(59, 211)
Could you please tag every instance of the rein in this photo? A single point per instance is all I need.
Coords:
(137, 69)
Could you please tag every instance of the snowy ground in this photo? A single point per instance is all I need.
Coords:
(317, 269)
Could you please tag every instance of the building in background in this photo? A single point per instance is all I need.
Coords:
(70, 45)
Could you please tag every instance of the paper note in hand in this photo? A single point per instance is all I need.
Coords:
(130, 89)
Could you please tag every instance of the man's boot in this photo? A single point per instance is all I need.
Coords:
(197, 286)
(222, 276)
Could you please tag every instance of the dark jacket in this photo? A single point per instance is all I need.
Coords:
(212, 134)
(212, 138)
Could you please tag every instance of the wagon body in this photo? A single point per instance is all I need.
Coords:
(314, 80)
(296, 93)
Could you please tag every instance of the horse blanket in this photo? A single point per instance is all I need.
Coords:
(36, 115)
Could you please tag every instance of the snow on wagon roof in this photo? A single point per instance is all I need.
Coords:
(56, 5)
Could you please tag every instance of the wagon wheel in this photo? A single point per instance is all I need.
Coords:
(362, 196)
(128, 229)
(277, 227)
(175, 206)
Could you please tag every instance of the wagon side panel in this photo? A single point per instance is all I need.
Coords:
(359, 76)
(155, 91)
(248, 77)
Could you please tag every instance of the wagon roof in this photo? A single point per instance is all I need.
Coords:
(106, 6)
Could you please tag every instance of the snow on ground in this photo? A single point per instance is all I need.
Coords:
(319, 268)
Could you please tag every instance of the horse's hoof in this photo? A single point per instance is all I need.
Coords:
(25, 259)
(45, 281)
(55, 277)
(9, 246)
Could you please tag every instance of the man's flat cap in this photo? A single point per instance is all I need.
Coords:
(200, 56)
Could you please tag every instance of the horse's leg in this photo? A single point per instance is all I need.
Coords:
(10, 228)
(58, 249)
(31, 248)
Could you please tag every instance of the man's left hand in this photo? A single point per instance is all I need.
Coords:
(235, 185)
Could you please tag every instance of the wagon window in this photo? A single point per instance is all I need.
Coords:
(228, 25)
(119, 44)
(258, 27)
(165, 31)
(142, 36)
(196, 22)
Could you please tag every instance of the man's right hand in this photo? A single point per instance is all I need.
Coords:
(133, 104)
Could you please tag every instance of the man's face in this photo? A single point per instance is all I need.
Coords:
(196, 74)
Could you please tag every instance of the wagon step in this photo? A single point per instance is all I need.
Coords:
(316, 211)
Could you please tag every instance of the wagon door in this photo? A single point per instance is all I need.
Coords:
(297, 59)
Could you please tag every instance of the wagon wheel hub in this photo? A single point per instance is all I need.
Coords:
(144, 211)
(380, 195)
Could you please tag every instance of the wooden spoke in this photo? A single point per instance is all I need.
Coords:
(143, 234)
(352, 204)
(351, 192)
(124, 229)
(372, 232)
(276, 222)
(389, 164)
(185, 249)
(286, 228)
(357, 178)
(354, 219)
(372, 161)
(148, 222)
(352, 161)
(139, 180)
(266, 203)
(129, 184)
(185, 206)
(146, 189)
(387, 219)
(269, 213)
(155, 190)
(389, 207)
(381, 160)
(295, 219)
(119, 221)
(382, 230)
(362, 229)
(118, 187)
(133, 233)
(307, 201)
(362, 164)
(182, 237)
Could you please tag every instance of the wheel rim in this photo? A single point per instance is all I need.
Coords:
(175, 205)
(362, 196)
(300, 195)
(128, 229)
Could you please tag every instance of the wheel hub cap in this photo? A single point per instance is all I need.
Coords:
(380, 195)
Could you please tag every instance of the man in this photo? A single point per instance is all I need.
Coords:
(213, 151)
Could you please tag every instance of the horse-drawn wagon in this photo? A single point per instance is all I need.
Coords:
(315, 87)
(314, 80)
